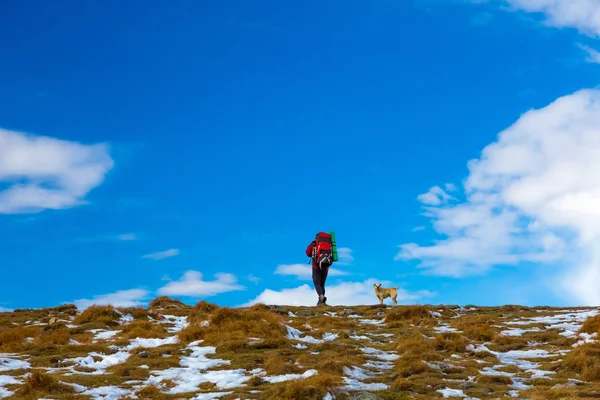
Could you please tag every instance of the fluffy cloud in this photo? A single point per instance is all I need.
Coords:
(532, 197)
(4, 309)
(303, 271)
(193, 285)
(46, 173)
(583, 15)
(344, 293)
(122, 298)
(345, 256)
(436, 196)
(593, 56)
(162, 254)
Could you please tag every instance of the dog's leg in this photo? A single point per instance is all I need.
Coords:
(394, 298)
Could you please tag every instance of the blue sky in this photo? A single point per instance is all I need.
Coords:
(194, 149)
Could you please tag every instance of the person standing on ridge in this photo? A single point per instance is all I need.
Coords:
(322, 253)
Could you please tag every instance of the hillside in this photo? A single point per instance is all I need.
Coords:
(173, 351)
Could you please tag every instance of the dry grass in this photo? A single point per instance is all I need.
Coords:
(477, 327)
(451, 342)
(412, 314)
(584, 361)
(105, 315)
(14, 339)
(313, 388)
(591, 325)
(39, 383)
(201, 311)
(143, 329)
(165, 303)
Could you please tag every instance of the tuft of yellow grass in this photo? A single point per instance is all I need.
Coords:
(313, 388)
(584, 361)
(165, 303)
(105, 315)
(201, 311)
(39, 383)
(143, 329)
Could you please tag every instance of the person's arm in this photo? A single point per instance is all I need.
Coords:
(309, 249)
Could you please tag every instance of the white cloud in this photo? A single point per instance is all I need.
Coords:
(192, 285)
(583, 15)
(593, 56)
(303, 271)
(345, 293)
(533, 196)
(253, 279)
(4, 309)
(436, 196)
(162, 254)
(121, 298)
(127, 237)
(46, 173)
(345, 256)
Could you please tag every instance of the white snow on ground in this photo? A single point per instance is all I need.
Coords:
(330, 336)
(108, 393)
(7, 380)
(443, 328)
(435, 314)
(151, 343)
(358, 373)
(380, 354)
(568, 323)
(354, 384)
(104, 335)
(372, 321)
(518, 331)
(379, 365)
(451, 392)
(359, 338)
(106, 361)
(178, 322)
(290, 377)
(586, 338)
(9, 364)
(211, 396)
(294, 334)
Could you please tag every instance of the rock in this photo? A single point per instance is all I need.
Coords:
(144, 354)
(380, 314)
(364, 396)
(565, 385)
(52, 321)
(440, 366)
(347, 312)
(465, 386)
(305, 313)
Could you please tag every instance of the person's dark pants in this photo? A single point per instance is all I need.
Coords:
(319, 277)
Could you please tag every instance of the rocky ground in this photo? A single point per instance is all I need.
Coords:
(173, 351)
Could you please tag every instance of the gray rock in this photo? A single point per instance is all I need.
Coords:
(565, 385)
(347, 312)
(380, 314)
(364, 396)
(465, 386)
(144, 354)
(305, 313)
(440, 366)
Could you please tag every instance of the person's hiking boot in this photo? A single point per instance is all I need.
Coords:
(321, 300)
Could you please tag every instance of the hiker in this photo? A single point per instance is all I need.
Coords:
(322, 255)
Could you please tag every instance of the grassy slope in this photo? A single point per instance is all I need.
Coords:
(422, 358)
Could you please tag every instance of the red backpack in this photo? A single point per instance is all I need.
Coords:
(322, 253)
